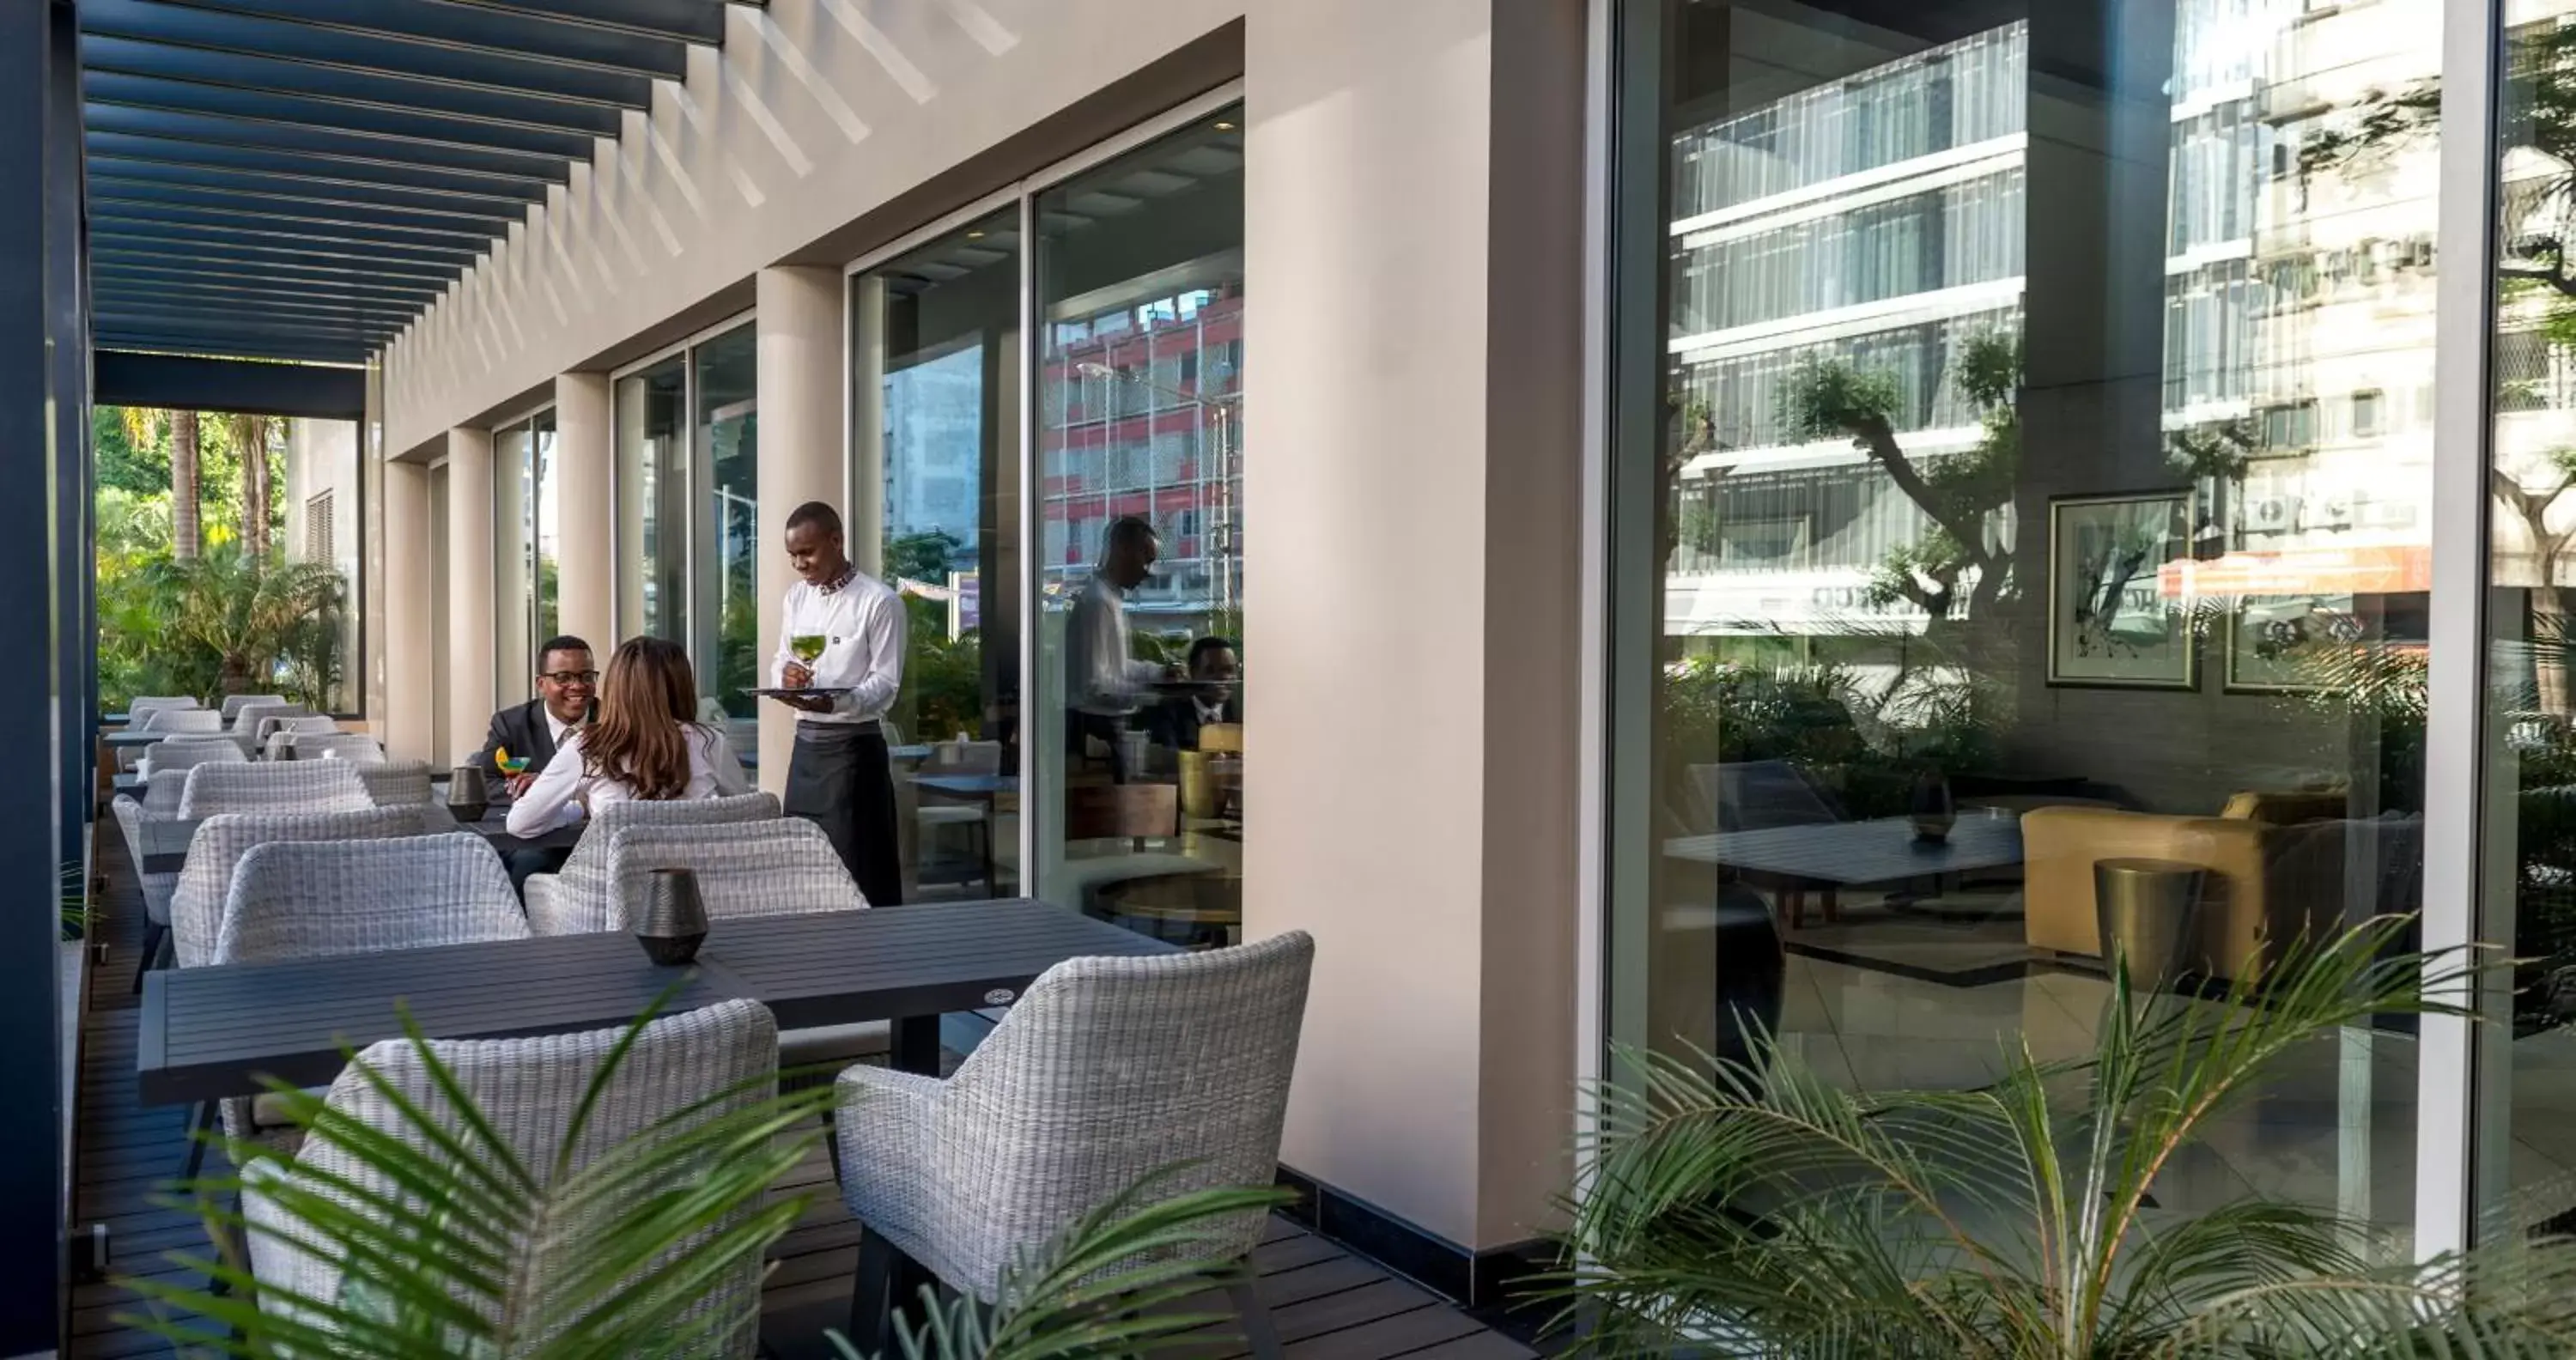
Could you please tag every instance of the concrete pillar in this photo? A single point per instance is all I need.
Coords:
(585, 568)
(407, 725)
(800, 457)
(1429, 152)
(470, 696)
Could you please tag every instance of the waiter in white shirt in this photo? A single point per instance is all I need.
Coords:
(838, 778)
(1104, 684)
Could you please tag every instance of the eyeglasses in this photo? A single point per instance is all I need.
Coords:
(570, 677)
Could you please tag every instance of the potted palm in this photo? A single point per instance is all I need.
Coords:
(1755, 1209)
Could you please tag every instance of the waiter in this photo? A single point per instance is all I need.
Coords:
(838, 778)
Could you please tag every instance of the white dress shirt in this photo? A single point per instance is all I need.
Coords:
(1100, 676)
(863, 627)
(555, 727)
(564, 794)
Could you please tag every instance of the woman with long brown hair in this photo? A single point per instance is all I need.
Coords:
(645, 744)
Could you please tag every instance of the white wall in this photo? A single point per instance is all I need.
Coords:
(813, 113)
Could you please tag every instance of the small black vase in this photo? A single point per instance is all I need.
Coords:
(673, 920)
(1930, 808)
(467, 796)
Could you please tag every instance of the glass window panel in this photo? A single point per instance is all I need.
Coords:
(1139, 298)
(2525, 1143)
(653, 501)
(725, 613)
(547, 617)
(938, 350)
(513, 540)
(1965, 470)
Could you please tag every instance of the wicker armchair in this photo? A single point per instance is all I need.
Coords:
(270, 729)
(355, 747)
(301, 900)
(577, 900)
(157, 888)
(153, 703)
(782, 867)
(165, 769)
(246, 721)
(529, 1089)
(192, 721)
(1106, 1070)
(235, 703)
(197, 905)
(295, 786)
(399, 783)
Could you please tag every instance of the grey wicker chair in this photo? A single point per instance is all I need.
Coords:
(1106, 1070)
(577, 900)
(529, 1088)
(785, 866)
(165, 768)
(197, 904)
(235, 703)
(245, 722)
(131, 814)
(295, 786)
(194, 721)
(399, 783)
(270, 729)
(309, 899)
(153, 703)
(355, 747)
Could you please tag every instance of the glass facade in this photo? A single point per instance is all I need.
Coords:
(2022, 460)
(514, 537)
(1138, 303)
(652, 501)
(936, 346)
(724, 626)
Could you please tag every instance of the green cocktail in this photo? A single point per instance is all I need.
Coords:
(808, 647)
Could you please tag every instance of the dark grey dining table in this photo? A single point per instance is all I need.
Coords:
(1835, 855)
(216, 1031)
(165, 841)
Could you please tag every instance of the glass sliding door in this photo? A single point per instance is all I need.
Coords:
(514, 531)
(2525, 1119)
(1138, 305)
(724, 609)
(653, 501)
(936, 344)
(2021, 461)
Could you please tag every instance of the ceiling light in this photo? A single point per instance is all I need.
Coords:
(974, 236)
(1225, 127)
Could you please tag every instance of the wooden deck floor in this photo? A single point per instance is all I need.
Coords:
(1327, 1303)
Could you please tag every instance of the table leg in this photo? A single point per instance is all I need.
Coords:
(1833, 905)
(916, 1045)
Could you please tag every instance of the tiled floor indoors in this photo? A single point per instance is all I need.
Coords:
(1328, 1304)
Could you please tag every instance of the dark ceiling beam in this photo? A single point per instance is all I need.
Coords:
(526, 33)
(363, 148)
(696, 21)
(363, 89)
(124, 216)
(492, 190)
(271, 107)
(209, 256)
(346, 285)
(310, 391)
(218, 327)
(127, 299)
(149, 345)
(251, 293)
(134, 182)
(183, 241)
(217, 31)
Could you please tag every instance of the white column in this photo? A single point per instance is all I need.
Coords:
(470, 698)
(801, 455)
(584, 566)
(1394, 191)
(407, 726)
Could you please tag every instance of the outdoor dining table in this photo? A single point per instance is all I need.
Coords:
(215, 1031)
(125, 740)
(1837, 855)
(165, 840)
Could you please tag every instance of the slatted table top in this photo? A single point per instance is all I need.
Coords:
(1880, 851)
(210, 1032)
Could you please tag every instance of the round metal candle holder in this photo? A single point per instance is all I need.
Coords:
(673, 920)
(468, 797)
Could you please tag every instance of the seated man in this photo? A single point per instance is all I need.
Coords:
(1175, 722)
(567, 695)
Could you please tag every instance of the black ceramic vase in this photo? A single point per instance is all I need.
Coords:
(672, 920)
(1930, 809)
(468, 798)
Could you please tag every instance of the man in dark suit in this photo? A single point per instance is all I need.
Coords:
(1175, 722)
(567, 692)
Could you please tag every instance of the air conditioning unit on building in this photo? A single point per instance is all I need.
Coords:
(2272, 514)
(2387, 514)
(2334, 512)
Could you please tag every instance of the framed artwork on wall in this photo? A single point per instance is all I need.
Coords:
(2273, 641)
(2109, 621)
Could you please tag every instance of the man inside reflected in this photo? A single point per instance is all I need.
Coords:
(1105, 685)
(1214, 668)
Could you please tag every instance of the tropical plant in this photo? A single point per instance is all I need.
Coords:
(243, 609)
(451, 1244)
(1756, 1209)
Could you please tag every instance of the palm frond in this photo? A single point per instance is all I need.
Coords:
(448, 1244)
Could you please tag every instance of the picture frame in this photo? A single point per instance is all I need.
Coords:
(2108, 628)
(2261, 628)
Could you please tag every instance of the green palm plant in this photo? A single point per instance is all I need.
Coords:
(449, 1244)
(1759, 1210)
(245, 610)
